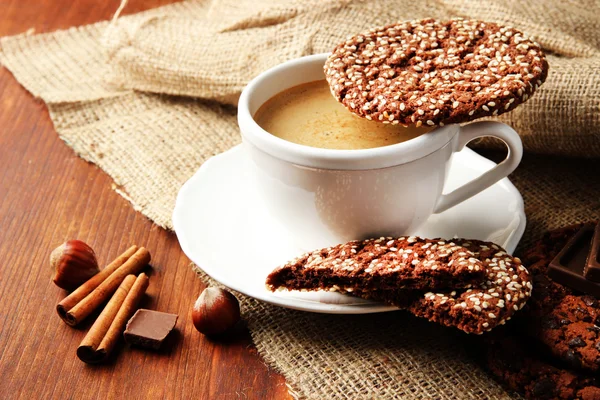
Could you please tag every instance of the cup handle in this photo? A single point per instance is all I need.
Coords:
(474, 131)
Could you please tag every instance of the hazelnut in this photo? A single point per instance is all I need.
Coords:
(74, 262)
(215, 312)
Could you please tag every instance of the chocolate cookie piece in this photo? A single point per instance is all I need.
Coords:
(381, 264)
(429, 72)
(504, 291)
(571, 331)
(495, 300)
(516, 363)
(566, 321)
(501, 289)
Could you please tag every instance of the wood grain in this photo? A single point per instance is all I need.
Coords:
(48, 195)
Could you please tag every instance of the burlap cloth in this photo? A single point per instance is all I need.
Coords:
(98, 82)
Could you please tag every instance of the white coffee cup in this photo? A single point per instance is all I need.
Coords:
(326, 196)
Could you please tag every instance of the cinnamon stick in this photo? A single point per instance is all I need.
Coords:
(102, 337)
(82, 309)
(79, 294)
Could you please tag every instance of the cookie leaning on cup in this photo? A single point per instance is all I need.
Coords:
(429, 72)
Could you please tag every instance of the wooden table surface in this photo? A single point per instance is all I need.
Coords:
(48, 195)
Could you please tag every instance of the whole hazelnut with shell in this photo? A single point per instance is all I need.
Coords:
(74, 262)
(215, 312)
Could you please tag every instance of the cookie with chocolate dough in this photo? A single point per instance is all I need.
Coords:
(516, 362)
(385, 263)
(566, 321)
(572, 332)
(504, 290)
(468, 284)
(429, 72)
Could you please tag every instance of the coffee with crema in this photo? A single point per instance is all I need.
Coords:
(308, 114)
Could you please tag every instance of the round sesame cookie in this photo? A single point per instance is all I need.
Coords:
(429, 72)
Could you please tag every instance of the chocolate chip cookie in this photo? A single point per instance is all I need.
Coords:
(516, 362)
(566, 321)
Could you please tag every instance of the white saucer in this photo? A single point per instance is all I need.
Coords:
(224, 228)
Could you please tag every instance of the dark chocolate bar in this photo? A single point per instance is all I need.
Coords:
(592, 264)
(148, 328)
(569, 264)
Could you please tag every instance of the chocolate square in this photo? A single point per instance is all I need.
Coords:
(592, 264)
(569, 264)
(149, 328)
